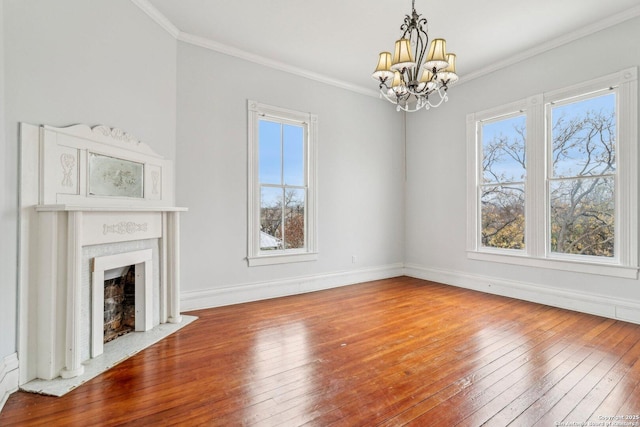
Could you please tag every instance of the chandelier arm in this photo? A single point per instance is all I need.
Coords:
(442, 92)
(394, 100)
(426, 104)
(421, 45)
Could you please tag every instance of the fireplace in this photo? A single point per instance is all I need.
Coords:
(138, 265)
(92, 200)
(119, 302)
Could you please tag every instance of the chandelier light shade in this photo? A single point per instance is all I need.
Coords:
(402, 57)
(413, 74)
(383, 70)
(437, 57)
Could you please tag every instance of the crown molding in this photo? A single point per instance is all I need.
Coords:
(203, 42)
(267, 62)
(557, 42)
(165, 23)
(157, 16)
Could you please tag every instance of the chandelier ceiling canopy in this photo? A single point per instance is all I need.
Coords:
(413, 75)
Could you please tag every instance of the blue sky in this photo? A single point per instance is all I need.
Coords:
(505, 127)
(504, 164)
(573, 162)
(281, 156)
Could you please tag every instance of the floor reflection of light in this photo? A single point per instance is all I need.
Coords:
(279, 378)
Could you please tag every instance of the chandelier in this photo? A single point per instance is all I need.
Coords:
(409, 79)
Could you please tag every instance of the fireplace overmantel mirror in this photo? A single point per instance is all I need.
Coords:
(92, 199)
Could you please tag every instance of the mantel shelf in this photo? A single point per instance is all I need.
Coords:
(112, 208)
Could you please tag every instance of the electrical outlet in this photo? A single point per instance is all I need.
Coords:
(354, 259)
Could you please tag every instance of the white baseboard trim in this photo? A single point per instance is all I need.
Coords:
(599, 305)
(8, 377)
(207, 298)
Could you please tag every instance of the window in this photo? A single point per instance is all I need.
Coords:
(553, 179)
(582, 175)
(281, 185)
(502, 187)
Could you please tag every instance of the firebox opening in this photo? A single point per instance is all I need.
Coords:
(119, 302)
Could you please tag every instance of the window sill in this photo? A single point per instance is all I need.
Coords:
(281, 258)
(603, 269)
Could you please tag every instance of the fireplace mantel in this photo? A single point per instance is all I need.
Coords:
(74, 227)
(86, 189)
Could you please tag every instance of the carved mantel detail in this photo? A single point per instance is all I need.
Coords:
(124, 227)
(115, 133)
(68, 161)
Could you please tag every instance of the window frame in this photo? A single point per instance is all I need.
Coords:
(508, 112)
(537, 251)
(255, 256)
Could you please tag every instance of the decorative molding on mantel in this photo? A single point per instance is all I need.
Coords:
(106, 135)
(124, 227)
(115, 133)
(82, 208)
(584, 31)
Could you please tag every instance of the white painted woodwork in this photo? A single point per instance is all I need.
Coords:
(537, 253)
(8, 377)
(73, 366)
(173, 253)
(60, 218)
(143, 291)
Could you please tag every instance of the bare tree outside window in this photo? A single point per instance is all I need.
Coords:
(282, 216)
(582, 182)
(503, 175)
(581, 178)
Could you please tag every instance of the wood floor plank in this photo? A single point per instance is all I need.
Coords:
(535, 362)
(538, 404)
(606, 354)
(401, 351)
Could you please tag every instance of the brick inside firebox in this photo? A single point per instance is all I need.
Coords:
(119, 305)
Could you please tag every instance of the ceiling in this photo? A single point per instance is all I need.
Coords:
(341, 39)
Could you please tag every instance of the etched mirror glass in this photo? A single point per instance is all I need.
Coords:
(114, 177)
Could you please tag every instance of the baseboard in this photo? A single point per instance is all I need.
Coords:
(207, 298)
(599, 305)
(8, 377)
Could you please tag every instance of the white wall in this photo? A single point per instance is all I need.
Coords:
(8, 229)
(8, 209)
(360, 180)
(436, 191)
(93, 62)
(77, 61)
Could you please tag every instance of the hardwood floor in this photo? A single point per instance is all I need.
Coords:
(393, 352)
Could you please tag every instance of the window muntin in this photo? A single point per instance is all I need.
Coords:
(281, 185)
(582, 175)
